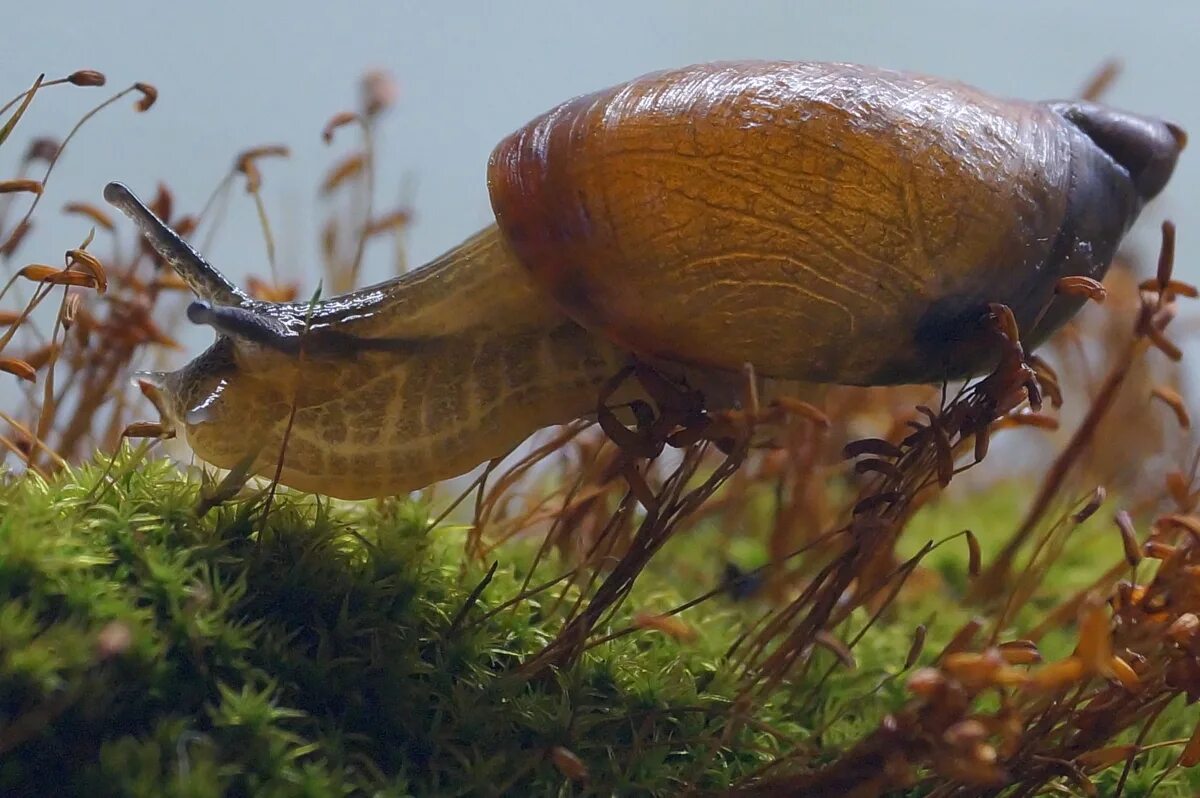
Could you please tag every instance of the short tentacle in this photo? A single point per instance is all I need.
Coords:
(199, 274)
(242, 472)
(242, 324)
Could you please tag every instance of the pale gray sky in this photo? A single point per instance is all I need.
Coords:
(236, 74)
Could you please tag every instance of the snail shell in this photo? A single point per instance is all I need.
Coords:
(825, 222)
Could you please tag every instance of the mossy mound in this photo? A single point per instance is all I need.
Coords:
(144, 651)
(343, 651)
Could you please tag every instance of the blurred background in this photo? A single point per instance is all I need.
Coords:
(232, 75)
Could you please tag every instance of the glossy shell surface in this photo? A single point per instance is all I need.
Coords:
(824, 222)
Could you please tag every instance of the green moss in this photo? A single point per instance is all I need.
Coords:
(144, 651)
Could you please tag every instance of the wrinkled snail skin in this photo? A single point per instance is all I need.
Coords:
(826, 223)
(425, 397)
(399, 385)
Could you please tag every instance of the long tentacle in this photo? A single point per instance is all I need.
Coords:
(199, 274)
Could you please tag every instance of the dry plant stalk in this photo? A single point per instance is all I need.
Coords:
(76, 362)
(1137, 651)
(101, 325)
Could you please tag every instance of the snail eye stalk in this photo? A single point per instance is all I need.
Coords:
(201, 276)
(242, 324)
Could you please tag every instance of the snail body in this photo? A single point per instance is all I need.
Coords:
(826, 223)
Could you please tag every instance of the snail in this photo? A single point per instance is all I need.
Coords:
(825, 223)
